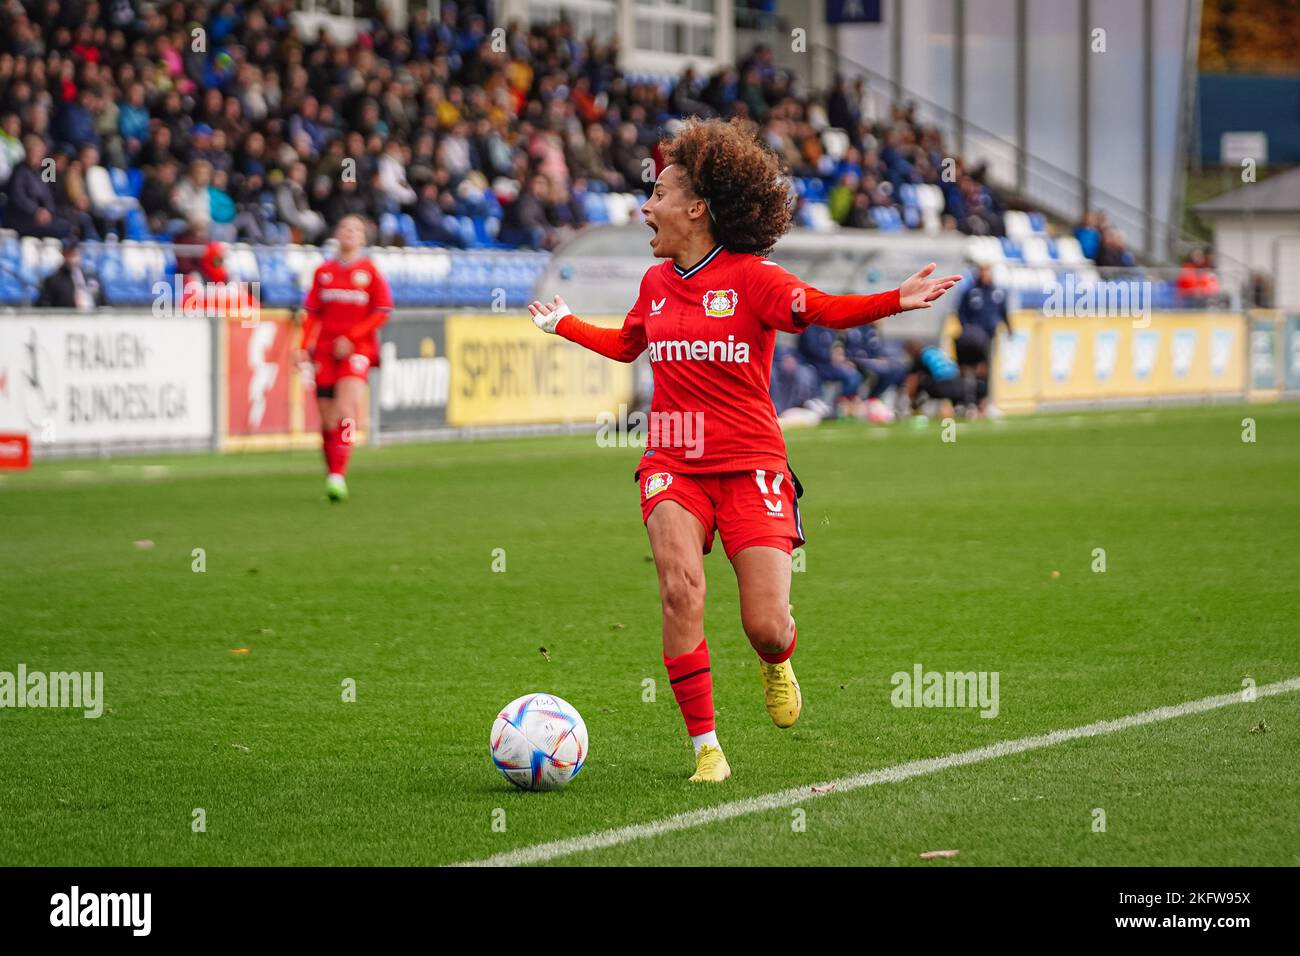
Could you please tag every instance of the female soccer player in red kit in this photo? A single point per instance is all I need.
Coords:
(708, 318)
(347, 303)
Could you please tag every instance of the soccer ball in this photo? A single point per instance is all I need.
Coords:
(539, 742)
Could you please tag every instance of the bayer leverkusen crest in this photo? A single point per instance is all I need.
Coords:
(656, 483)
(720, 303)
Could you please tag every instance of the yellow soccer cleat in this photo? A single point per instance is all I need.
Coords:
(781, 692)
(710, 766)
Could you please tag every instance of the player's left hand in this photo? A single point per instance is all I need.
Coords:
(920, 290)
(342, 347)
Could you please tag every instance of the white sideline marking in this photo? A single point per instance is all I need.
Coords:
(541, 852)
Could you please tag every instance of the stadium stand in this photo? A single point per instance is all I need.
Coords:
(264, 139)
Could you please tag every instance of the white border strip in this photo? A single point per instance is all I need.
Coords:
(542, 852)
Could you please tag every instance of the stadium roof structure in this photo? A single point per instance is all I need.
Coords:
(1279, 194)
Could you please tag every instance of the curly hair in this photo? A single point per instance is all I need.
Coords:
(741, 179)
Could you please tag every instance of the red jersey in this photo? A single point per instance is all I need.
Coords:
(710, 332)
(346, 299)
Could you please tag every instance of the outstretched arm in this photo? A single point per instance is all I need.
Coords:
(848, 311)
(786, 302)
(622, 345)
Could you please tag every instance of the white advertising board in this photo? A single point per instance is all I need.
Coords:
(66, 380)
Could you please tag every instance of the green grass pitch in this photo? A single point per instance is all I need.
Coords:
(919, 551)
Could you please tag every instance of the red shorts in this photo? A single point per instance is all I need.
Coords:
(747, 508)
(330, 369)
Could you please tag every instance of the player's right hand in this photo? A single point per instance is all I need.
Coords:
(301, 357)
(547, 315)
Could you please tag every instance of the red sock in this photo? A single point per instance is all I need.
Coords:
(327, 448)
(692, 685)
(337, 451)
(782, 656)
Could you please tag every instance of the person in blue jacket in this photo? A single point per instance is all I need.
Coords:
(982, 307)
(932, 375)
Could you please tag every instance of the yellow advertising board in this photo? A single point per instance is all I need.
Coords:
(506, 372)
(1053, 359)
(1014, 377)
(1274, 354)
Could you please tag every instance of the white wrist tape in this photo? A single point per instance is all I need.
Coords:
(547, 323)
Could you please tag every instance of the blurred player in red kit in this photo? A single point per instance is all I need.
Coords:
(708, 318)
(347, 303)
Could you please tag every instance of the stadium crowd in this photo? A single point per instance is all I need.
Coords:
(206, 122)
(855, 373)
(1102, 242)
(196, 120)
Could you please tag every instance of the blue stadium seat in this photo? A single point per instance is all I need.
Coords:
(406, 229)
(593, 208)
(485, 231)
(400, 281)
(886, 218)
(117, 176)
(241, 263)
(1012, 251)
(460, 281)
(1164, 295)
(466, 227)
(494, 277)
(92, 254)
(13, 289)
(279, 283)
(441, 284)
(421, 280)
(137, 227)
(143, 266)
(1032, 298)
(112, 275)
